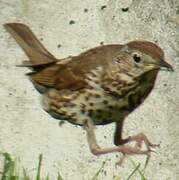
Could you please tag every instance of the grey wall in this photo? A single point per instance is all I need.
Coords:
(26, 130)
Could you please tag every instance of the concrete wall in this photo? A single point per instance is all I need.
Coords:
(26, 130)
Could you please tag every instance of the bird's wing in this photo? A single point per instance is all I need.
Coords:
(71, 73)
(37, 53)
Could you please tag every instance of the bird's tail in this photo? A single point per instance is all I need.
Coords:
(37, 53)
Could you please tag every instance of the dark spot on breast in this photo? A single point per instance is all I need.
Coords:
(105, 88)
(115, 94)
(90, 112)
(112, 93)
(72, 104)
(105, 102)
(86, 98)
(90, 87)
(97, 95)
(119, 88)
(122, 82)
(82, 90)
(82, 111)
(65, 104)
(99, 111)
(54, 106)
(63, 113)
(83, 106)
(73, 114)
(110, 107)
(99, 116)
(90, 94)
(68, 104)
(114, 84)
(91, 104)
(85, 121)
(109, 114)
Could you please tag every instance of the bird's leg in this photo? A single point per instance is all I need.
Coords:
(118, 140)
(97, 150)
(139, 138)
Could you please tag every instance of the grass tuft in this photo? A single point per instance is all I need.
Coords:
(11, 172)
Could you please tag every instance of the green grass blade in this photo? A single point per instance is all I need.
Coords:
(138, 170)
(99, 171)
(8, 168)
(146, 162)
(133, 172)
(39, 167)
(47, 178)
(117, 178)
(25, 175)
(59, 177)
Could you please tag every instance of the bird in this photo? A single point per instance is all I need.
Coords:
(100, 86)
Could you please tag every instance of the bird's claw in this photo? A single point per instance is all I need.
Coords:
(142, 138)
(127, 150)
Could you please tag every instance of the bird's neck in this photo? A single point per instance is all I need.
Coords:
(142, 88)
(146, 83)
(148, 77)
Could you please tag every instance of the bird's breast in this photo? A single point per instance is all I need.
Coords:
(99, 102)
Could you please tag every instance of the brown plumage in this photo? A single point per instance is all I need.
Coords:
(99, 86)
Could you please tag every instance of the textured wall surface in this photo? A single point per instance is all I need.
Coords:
(26, 130)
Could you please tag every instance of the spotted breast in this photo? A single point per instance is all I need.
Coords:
(103, 100)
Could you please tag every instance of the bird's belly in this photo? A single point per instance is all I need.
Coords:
(98, 106)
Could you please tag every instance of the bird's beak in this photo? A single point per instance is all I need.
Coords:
(165, 65)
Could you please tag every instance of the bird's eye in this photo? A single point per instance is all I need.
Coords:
(136, 58)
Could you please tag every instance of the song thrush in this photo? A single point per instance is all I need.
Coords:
(99, 86)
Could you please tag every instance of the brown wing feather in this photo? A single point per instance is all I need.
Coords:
(46, 77)
(71, 73)
(58, 77)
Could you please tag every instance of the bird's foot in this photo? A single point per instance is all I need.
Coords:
(142, 138)
(125, 150)
(128, 150)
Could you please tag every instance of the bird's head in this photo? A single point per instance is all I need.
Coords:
(139, 57)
